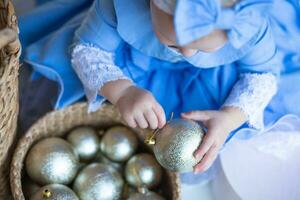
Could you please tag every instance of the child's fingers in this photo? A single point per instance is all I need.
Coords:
(160, 114)
(151, 118)
(204, 146)
(207, 160)
(141, 121)
(196, 115)
(130, 121)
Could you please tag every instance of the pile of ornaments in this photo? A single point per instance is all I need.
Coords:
(91, 165)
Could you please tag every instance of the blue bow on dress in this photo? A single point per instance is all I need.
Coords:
(194, 19)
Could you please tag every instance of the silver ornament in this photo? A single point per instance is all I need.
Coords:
(54, 192)
(175, 144)
(85, 141)
(145, 196)
(98, 182)
(142, 170)
(118, 143)
(52, 160)
(100, 158)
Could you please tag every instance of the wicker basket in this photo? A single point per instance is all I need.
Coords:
(58, 123)
(9, 67)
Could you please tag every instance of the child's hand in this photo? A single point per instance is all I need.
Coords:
(219, 124)
(137, 106)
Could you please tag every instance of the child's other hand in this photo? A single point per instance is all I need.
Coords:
(139, 108)
(219, 124)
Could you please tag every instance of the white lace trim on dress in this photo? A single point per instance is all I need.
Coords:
(95, 67)
(251, 94)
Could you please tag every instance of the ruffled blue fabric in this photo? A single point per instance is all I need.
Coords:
(197, 18)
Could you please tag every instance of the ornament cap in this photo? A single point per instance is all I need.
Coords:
(47, 193)
(150, 140)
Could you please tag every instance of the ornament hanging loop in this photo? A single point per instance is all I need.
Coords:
(150, 140)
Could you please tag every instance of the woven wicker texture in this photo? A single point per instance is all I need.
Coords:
(9, 66)
(58, 123)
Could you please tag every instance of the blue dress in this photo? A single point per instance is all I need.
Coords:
(201, 82)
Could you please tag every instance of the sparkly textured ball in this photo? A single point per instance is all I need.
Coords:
(85, 141)
(52, 160)
(54, 192)
(118, 143)
(146, 196)
(142, 170)
(175, 144)
(98, 182)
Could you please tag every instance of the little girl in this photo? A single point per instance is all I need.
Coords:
(192, 51)
(212, 61)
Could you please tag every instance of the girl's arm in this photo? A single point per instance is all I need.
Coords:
(99, 75)
(93, 60)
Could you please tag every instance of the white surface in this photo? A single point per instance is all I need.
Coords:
(221, 188)
(260, 175)
(197, 192)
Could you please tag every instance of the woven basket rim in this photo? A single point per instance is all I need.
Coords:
(30, 138)
(9, 100)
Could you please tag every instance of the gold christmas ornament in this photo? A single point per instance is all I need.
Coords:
(175, 143)
(142, 170)
(54, 192)
(52, 160)
(98, 182)
(85, 142)
(118, 143)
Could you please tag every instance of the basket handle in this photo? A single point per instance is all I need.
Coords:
(8, 37)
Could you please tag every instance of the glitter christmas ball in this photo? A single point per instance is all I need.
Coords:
(175, 144)
(52, 160)
(54, 192)
(98, 182)
(118, 143)
(85, 142)
(145, 196)
(142, 170)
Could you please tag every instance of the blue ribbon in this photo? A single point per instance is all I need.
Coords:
(197, 18)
